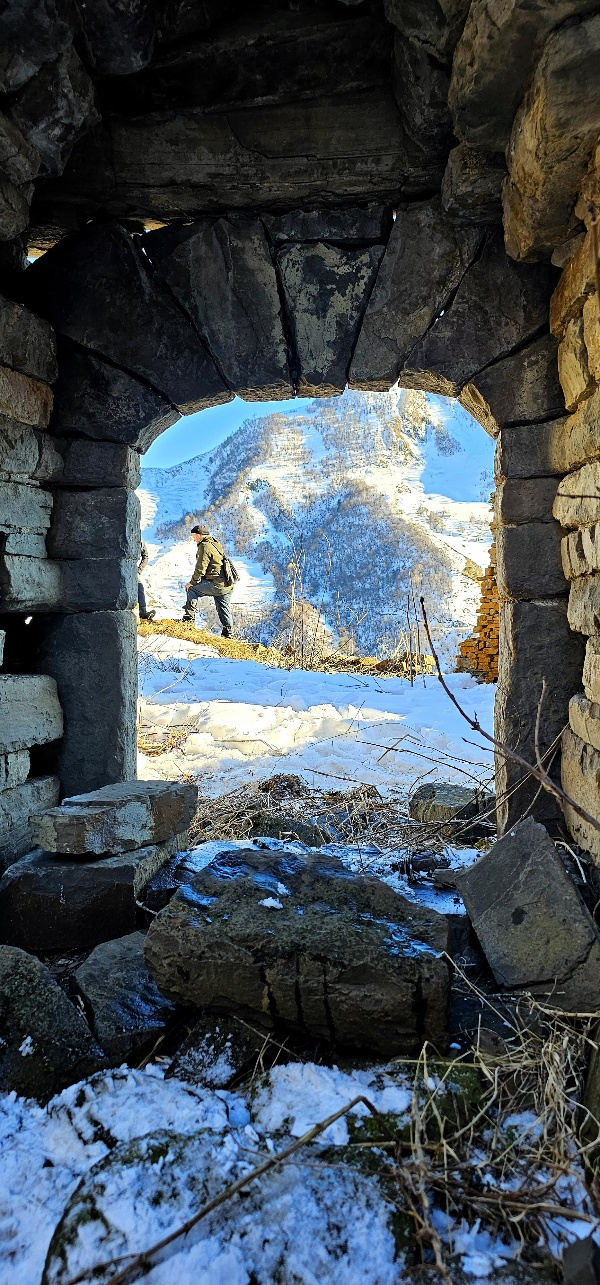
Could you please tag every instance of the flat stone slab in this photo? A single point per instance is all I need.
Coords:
(532, 923)
(48, 903)
(441, 801)
(302, 942)
(126, 1009)
(30, 712)
(45, 1043)
(117, 818)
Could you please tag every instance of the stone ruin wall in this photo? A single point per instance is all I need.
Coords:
(478, 654)
(475, 131)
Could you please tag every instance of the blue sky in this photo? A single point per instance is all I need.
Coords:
(194, 434)
(446, 475)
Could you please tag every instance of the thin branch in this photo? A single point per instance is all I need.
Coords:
(538, 773)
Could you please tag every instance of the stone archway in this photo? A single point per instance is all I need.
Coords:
(154, 325)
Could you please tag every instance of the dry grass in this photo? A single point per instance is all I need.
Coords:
(400, 666)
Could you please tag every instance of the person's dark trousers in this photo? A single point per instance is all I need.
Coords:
(222, 597)
(142, 601)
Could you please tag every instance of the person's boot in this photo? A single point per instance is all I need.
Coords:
(149, 615)
(226, 633)
(187, 619)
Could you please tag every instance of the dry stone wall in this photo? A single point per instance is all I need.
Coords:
(478, 654)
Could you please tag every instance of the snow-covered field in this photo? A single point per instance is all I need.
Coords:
(244, 721)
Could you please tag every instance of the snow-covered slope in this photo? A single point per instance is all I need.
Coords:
(371, 496)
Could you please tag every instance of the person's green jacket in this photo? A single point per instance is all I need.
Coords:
(209, 561)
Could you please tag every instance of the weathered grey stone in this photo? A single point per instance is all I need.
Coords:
(275, 826)
(2, 642)
(577, 500)
(100, 401)
(124, 1005)
(25, 544)
(584, 605)
(326, 289)
(436, 23)
(30, 712)
(49, 904)
(525, 499)
(216, 1052)
(370, 223)
(573, 370)
(104, 523)
(31, 32)
(55, 109)
(581, 1260)
(89, 463)
(423, 264)
(441, 801)
(273, 57)
(494, 60)
(584, 719)
(14, 768)
(349, 147)
(223, 275)
(525, 387)
(32, 584)
(233, 940)
(17, 805)
(117, 818)
(532, 922)
(577, 439)
(27, 454)
(87, 654)
(19, 160)
(24, 399)
(552, 138)
(45, 1043)
(532, 450)
(591, 670)
(24, 508)
(472, 185)
(580, 771)
(535, 643)
(420, 85)
(580, 552)
(498, 305)
(14, 209)
(119, 38)
(97, 289)
(528, 560)
(26, 342)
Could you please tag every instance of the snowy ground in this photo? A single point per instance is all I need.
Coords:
(245, 721)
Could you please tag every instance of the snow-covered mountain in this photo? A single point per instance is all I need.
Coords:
(350, 504)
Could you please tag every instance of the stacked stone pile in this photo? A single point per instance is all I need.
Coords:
(97, 852)
(478, 655)
(575, 320)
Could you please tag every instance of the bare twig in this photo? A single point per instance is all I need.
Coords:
(538, 773)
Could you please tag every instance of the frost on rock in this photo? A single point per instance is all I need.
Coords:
(291, 1226)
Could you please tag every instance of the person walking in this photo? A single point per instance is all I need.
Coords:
(213, 577)
(143, 562)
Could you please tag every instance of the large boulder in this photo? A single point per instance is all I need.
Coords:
(45, 1043)
(532, 923)
(300, 941)
(125, 1007)
(117, 818)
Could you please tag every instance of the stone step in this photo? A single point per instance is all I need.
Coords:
(30, 712)
(117, 818)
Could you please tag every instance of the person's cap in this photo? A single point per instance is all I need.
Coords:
(200, 530)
